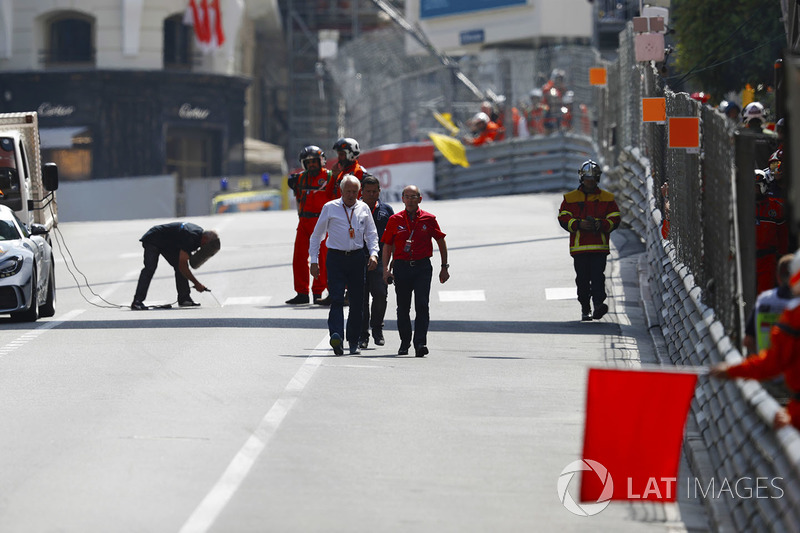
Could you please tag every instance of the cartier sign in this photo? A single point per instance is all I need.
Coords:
(46, 109)
(193, 113)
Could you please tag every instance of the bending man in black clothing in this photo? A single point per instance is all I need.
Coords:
(182, 244)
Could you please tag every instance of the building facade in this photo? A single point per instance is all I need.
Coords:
(128, 87)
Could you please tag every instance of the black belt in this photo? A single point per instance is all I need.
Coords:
(765, 252)
(346, 252)
(796, 396)
(415, 262)
(308, 214)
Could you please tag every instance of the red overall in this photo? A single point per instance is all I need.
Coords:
(312, 193)
(353, 168)
(772, 240)
(782, 357)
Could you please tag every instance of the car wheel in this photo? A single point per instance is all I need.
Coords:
(31, 314)
(48, 308)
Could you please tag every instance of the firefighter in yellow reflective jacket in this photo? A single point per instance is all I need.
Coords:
(589, 214)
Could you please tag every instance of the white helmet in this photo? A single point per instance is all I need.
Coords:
(753, 110)
(536, 93)
(481, 117)
(794, 273)
(349, 146)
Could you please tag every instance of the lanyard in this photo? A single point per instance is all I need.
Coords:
(349, 219)
(413, 229)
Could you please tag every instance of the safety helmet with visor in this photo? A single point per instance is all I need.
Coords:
(311, 152)
(753, 111)
(349, 146)
(589, 169)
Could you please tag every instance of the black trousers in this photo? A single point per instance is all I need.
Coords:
(346, 270)
(377, 288)
(590, 278)
(414, 280)
(151, 254)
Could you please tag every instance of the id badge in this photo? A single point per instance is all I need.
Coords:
(407, 247)
(352, 233)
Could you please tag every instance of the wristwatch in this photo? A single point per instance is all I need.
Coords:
(446, 265)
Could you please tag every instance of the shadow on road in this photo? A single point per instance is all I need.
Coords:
(466, 326)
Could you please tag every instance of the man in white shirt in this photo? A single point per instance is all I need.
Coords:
(349, 225)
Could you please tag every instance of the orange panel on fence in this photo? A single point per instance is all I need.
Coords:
(654, 109)
(597, 76)
(684, 132)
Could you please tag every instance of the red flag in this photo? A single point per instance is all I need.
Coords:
(200, 21)
(219, 34)
(634, 428)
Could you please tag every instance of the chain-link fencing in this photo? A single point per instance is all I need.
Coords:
(696, 276)
(694, 190)
(390, 97)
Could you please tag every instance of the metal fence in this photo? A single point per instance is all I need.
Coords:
(696, 279)
(702, 205)
(517, 166)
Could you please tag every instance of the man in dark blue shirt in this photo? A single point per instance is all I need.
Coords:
(374, 284)
(182, 244)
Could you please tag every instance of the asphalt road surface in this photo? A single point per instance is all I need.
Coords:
(236, 416)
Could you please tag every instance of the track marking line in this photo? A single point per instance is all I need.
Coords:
(24, 339)
(98, 300)
(462, 296)
(246, 300)
(221, 493)
(561, 293)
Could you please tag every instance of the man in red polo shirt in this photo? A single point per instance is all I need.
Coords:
(408, 237)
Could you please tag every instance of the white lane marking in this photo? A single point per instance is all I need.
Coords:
(462, 296)
(215, 501)
(31, 335)
(561, 293)
(99, 300)
(247, 300)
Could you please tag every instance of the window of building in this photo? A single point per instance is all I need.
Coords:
(177, 43)
(193, 153)
(70, 40)
(71, 149)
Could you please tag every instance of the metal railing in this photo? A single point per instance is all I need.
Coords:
(516, 166)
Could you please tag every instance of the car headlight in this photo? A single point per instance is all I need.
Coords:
(10, 266)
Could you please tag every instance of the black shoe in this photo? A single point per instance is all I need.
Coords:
(377, 336)
(298, 300)
(421, 351)
(403, 349)
(138, 306)
(363, 343)
(586, 317)
(354, 349)
(336, 344)
(600, 311)
(188, 303)
(319, 300)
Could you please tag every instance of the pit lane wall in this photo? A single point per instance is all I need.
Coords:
(731, 425)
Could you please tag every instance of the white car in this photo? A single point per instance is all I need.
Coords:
(27, 276)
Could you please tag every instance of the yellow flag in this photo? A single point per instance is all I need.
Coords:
(446, 120)
(451, 148)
